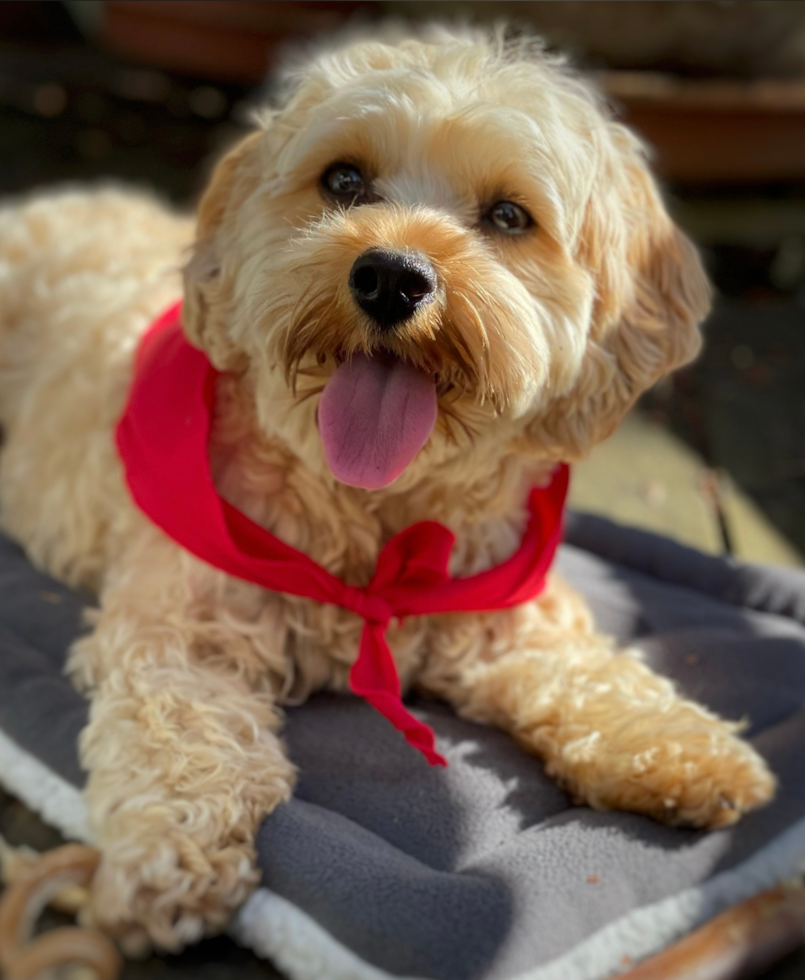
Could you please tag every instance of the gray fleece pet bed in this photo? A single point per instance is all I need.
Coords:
(383, 866)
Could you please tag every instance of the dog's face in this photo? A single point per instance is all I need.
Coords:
(435, 255)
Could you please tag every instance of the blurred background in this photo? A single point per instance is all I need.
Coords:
(152, 91)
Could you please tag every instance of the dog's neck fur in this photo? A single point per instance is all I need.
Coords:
(344, 528)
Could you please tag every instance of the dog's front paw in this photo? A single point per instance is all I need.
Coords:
(171, 891)
(697, 774)
(709, 785)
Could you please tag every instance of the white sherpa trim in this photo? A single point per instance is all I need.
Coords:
(276, 929)
(56, 801)
(280, 931)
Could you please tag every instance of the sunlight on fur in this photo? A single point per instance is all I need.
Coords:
(537, 338)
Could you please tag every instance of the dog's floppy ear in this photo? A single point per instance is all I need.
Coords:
(651, 296)
(206, 282)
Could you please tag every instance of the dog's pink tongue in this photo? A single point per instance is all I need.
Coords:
(375, 414)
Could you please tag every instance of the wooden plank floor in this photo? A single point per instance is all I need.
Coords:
(645, 476)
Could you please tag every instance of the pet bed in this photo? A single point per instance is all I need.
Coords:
(383, 866)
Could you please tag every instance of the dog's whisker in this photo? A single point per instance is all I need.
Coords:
(304, 396)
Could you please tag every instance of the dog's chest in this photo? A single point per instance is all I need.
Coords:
(307, 644)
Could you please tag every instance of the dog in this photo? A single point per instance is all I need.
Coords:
(463, 213)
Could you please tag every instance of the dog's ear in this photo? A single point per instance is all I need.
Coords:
(651, 296)
(207, 287)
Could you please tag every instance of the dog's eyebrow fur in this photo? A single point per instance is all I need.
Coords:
(555, 130)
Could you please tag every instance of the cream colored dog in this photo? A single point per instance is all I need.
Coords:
(464, 207)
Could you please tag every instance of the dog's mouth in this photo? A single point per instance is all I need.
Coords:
(375, 414)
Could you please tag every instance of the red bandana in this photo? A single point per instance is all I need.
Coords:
(162, 439)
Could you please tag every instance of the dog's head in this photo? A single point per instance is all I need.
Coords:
(438, 253)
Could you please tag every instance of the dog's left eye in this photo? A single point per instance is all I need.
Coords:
(508, 217)
(345, 182)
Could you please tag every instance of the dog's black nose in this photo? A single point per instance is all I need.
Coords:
(391, 286)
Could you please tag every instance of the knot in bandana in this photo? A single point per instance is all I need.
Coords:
(162, 438)
(372, 608)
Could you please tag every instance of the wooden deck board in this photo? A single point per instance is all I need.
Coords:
(645, 476)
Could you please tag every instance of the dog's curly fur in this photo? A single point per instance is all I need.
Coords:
(540, 343)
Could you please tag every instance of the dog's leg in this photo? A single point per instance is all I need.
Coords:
(184, 763)
(611, 731)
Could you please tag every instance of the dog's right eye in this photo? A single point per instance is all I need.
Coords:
(345, 182)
